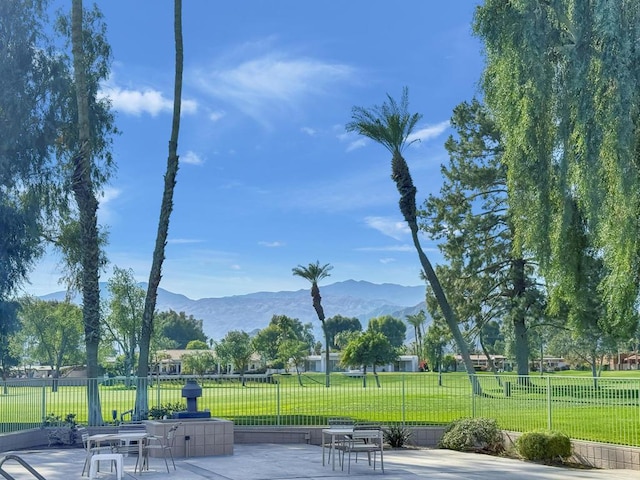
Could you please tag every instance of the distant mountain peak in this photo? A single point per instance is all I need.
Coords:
(350, 298)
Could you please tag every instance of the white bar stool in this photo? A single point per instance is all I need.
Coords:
(111, 457)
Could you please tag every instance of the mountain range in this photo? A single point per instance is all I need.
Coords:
(253, 311)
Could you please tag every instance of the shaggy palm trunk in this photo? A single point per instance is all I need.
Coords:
(166, 208)
(317, 305)
(87, 203)
(404, 183)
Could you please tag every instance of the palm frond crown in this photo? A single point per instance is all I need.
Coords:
(389, 124)
(314, 272)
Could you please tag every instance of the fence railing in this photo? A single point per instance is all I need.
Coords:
(605, 410)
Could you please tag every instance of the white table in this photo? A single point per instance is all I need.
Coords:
(97, 439)
(334, 433)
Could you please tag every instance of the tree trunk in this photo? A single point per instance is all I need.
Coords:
(327, 375)
(163, 225)
(82, 186)
(447, 312)
(401, 175)
(519, 322)
(490, 361)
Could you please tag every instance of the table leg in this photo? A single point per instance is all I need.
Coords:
(333, 450)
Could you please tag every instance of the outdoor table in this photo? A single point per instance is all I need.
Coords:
(333, 433)
(97, 439)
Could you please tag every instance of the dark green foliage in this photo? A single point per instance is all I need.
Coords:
(394, 329)
(179, 328)
(337, 324)
(53, 420)
(473, 434)
(545, 445)
(158, 412)
(397, 436)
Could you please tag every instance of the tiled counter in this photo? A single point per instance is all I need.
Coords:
(196, 437)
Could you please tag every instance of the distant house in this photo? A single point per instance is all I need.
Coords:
(169, 362)
(481, 362)
(404, 363)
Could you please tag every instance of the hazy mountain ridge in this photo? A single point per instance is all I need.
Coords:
(253, 311)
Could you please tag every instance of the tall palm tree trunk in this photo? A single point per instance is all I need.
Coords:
(82, 187)
(163, 225)
(317, 305)
(404, 183)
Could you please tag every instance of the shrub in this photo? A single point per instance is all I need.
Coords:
(397, 436)
(473, 434)
(53, 420)
(158, 412)
(545, 445)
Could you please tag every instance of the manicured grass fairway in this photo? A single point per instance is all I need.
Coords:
(609, 413)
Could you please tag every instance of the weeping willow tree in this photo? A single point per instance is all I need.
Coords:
(562, 80)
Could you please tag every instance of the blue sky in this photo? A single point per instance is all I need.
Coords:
(269, 178)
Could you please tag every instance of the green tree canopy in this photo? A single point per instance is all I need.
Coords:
(393, 329)
(179, 328)
(236, 348)
(369, 348)
(197, 345)
(563, 84)
(281, 329)
(486, 281)
(9, 326)
(337, 324)
(53, 331)
(199, 363)
(34, 82)
(123, 320)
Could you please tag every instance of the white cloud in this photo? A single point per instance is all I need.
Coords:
(271, 244)
(309, 131)
(191, 158)
(392, 248)
(217, 115)
(428, 132)
(235, 267)
(137, 102)
(109, 194)
(387, 260)
(395, 229)
(183, 241)
(356, 144)
(271, 83)
(105, 212)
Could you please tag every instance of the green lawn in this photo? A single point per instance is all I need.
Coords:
(608, 412)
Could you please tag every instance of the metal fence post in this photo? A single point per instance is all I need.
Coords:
(474, 389)
(44, 400)
(549, 403)
(278, 403)
(158, 391)
(404, 400)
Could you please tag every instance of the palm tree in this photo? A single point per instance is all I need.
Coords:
(84, 193)
(163, 224)
(417, 321)
(314, 273)
(391, 125)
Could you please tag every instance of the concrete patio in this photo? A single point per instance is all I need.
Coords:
(301, 461)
